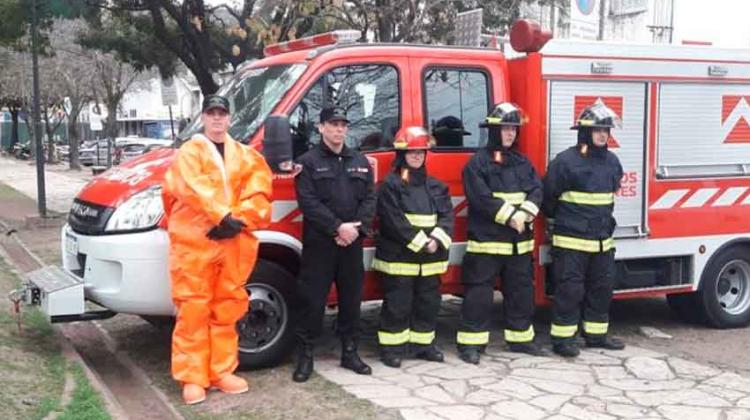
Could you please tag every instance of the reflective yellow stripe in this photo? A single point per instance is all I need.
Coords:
(431, 269)
(421, 220)
(585, 245)
(563, 331)
(530, 208)
(504, 213)
(525, 246)
(592, 199)
(499, 248)
(473, 338)
(421, 337)
(513, 336)
(595, 327)
(419, 241)
(395, 268)
(393, 339)
(514, 198)
(439, 234)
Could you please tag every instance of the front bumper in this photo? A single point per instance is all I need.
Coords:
(126, 273)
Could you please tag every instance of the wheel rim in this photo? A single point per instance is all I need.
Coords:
(733, 287)
(263, 324)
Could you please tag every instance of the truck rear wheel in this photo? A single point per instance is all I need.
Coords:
(266, 333)
(725, 289)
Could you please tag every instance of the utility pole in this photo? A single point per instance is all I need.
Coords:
(40, 190)
(602, 16)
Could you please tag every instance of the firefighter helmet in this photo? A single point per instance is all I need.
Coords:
(597, 115)
(413, 138)
(504, 113)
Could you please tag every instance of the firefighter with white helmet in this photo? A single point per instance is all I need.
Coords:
(416, 222)
(579, 193)
(504, 194)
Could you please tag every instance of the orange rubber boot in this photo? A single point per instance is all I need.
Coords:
(231, 384)
(193, 394)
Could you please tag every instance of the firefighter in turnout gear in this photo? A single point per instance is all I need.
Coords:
(504, 194)
(416, 222)
(579, 194)
(336, 193)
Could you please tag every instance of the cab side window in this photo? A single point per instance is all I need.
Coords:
(369, 94)
(456, 101)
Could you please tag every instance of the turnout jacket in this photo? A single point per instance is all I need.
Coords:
(495, 191)
(333, 189)
(409, 213)
(579, 193)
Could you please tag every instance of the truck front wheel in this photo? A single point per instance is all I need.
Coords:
(266, 332)
(725, 289)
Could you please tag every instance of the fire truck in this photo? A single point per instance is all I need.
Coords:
(682, 213)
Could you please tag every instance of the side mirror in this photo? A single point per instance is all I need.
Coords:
(277, 144)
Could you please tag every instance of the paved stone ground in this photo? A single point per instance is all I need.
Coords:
(61, 184)
(635, 383)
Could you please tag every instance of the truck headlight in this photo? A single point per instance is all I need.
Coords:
(141, 211)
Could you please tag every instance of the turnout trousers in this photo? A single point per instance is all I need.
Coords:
(583, 283)
(479, 274)
(409, 312)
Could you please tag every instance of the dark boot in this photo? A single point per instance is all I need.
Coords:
(566, 349)
(469, 354)
(605, 342)
(350, 359)
(529, 348)
(304, 366)
(392, 356)
(428, 352)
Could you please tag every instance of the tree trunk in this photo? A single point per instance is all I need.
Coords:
(73, 142)
(14, 126)
(111, 129)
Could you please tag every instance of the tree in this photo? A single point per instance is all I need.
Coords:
(13, 92)
(206, 39)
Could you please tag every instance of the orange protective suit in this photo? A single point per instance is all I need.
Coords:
(208, 277)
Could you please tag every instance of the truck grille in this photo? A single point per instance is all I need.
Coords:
(88, 218)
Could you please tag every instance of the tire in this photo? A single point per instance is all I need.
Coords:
(266, 332)
(724, 295)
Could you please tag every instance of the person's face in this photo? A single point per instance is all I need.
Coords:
(215, 120)
(415, 158)
(599, 136)
(333, 132)
(508, 134)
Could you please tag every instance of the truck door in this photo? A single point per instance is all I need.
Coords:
(628, 100)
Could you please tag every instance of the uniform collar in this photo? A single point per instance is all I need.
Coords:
(345, 151)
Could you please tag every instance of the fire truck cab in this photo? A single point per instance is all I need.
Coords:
(683, 226)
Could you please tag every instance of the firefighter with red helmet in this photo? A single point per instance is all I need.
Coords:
(504, 194)
(416, 221)
(579, 193)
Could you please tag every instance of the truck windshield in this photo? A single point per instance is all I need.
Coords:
(252, 95)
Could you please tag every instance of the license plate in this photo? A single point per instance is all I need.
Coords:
(71, 244)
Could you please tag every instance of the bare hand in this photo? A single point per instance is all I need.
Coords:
(348, 231)
(431, 246)
(517, 222)
(341, 242)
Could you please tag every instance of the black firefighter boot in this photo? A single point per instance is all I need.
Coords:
(392, 356)
(428, 352)
(304, 366)
(530, 348)
(350, 359)
(604, 342)
(567, 348)
(469, 354)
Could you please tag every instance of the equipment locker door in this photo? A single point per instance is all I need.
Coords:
(628, 100)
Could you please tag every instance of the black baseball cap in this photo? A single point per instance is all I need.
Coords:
(451, 124)
(333, 113)
(215, 101)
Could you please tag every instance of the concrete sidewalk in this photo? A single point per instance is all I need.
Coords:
(62, 184)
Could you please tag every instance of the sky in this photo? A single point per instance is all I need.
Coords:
(726, 23)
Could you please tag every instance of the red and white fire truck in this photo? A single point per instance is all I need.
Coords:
(683, 212)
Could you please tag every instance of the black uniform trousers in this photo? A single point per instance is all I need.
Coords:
(583, 282)
(324, 262)
(409, 311)
(479, 274)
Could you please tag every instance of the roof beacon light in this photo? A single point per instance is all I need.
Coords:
(528, 36)
(345, 36)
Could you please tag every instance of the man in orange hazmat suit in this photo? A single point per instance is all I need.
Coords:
(215, 194)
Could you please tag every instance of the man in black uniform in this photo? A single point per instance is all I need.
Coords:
(504, 194)
(579, 193)
(336, 195)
